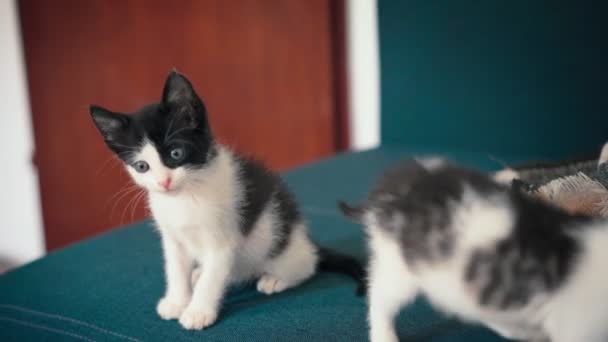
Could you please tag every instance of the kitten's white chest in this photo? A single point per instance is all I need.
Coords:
(203, 216)
(194, 222)
(176, 212)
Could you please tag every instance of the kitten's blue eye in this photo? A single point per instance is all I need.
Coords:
(141, 166)
(178, 153)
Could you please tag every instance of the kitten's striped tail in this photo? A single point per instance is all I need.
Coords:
(332, 261)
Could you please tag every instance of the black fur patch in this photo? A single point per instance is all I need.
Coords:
(259, 184)
(262, 188)
(287, 209)
(535, 258)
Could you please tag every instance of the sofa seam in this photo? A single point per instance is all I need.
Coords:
(42, 327)
(68, 319)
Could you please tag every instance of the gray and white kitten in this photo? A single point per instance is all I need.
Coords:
(223, 213)
(484, 253)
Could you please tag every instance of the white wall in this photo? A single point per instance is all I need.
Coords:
(21, 234)
(364, 73)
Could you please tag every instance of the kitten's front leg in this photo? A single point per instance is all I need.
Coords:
(391, 286)
(208, 290)
(177, 274)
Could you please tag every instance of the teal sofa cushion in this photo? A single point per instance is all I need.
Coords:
(106, 288)
(501, 76)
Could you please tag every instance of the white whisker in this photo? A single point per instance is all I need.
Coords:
(139, 197)
(127, 193)
(169, 128)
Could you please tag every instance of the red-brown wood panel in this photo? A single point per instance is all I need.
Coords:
(265, 68)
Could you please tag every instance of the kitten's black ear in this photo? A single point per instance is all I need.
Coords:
(181, 99)
(109, 124)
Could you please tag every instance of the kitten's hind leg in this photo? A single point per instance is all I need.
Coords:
(270, 284)
(292, 266)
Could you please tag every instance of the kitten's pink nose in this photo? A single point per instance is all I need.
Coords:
(165, 183)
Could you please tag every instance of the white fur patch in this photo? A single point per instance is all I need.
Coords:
(391, 284)
(482, 222)
(604, 154)
(505, 176)
(431, 163)
(585, 290)
(297, 262)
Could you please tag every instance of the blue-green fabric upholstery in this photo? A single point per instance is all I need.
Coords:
(499, 76)
(106, 288)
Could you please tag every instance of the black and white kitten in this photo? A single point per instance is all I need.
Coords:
(483, 252)
(216, 210)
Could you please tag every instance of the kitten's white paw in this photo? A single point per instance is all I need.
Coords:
(269, 284)
(169, 309)
(196, 273)
(197, 319)
(387, 335)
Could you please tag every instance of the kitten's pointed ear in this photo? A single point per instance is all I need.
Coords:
(181, 99)
(177, 89)
(109, 124)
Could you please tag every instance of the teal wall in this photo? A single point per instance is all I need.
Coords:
(510, 77)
